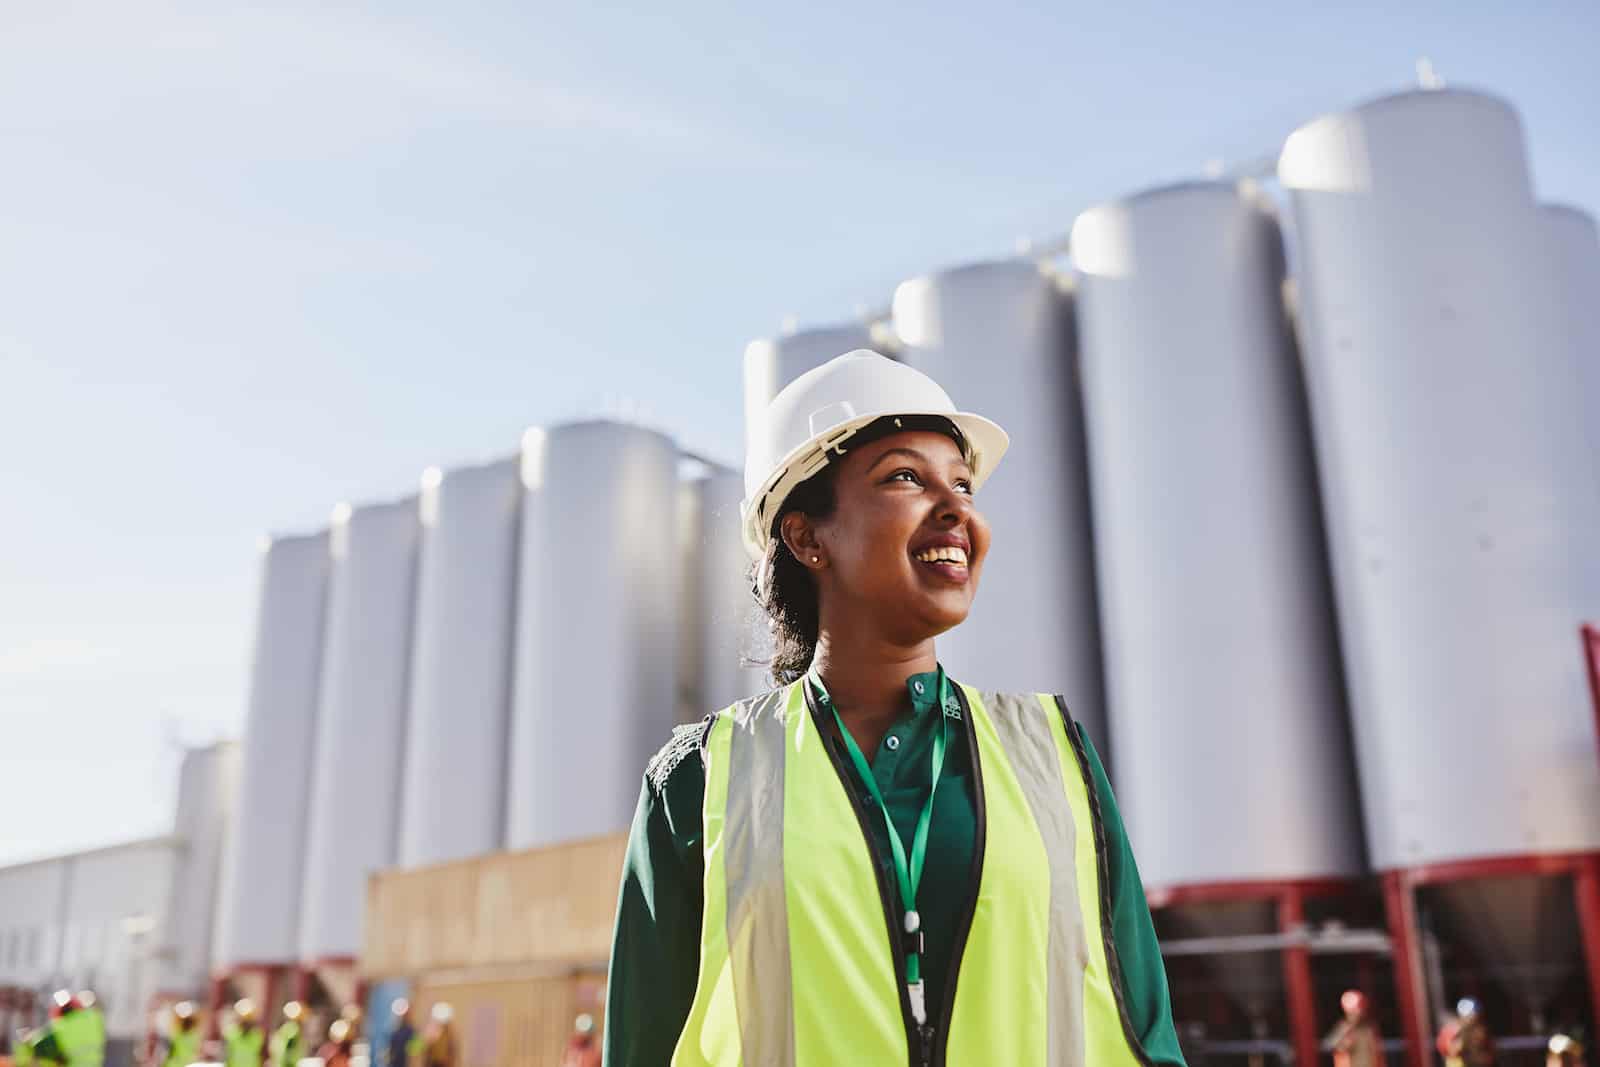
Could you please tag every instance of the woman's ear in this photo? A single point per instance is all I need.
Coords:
(801, 538)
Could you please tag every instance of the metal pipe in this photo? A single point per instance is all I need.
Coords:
(1318, 943)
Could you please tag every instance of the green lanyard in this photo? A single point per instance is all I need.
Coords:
(907, 874)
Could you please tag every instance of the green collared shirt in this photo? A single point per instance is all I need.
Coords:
(655, 954)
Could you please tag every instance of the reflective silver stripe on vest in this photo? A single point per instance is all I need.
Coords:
(752, 836)
(1030, 746)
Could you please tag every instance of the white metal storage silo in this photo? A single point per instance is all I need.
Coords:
(772, 363)
(355, 788)
(453, 781)
(718, 617)
(1576, 243)
(1460, 497)
(1215, 605)
(260, 911)
(997, 337)
(208, 783)
(596, 658)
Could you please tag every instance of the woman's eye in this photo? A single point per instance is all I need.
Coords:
(964, 486)
(905, 475)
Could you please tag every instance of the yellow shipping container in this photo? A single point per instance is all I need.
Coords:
(515, 942)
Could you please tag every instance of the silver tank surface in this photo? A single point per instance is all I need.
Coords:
(1459, 495)
(208, 784)
(453, 781)
(997, 336)
(772, 363)
(596, 652)
(260, 909)
(719, 615)
(1222, 682)
(1576, 242)
(361, 726)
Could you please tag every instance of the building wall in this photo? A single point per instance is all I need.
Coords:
(91, 920)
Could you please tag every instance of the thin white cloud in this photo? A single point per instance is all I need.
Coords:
(300, 75)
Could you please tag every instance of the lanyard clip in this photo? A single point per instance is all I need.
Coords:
(915, 991)
(911, 939)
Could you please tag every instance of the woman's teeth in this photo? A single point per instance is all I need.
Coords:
(944, 554)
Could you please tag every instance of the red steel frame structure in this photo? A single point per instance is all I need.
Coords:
(273, 975)
(308, 970)
(1400, 899)
(1400, 906)
(1400, 902)
(1290, 898)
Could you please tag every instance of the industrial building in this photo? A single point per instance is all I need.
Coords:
(132, 922)
(1301, 512)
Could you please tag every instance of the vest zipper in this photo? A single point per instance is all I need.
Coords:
(935, 1057)
(919, 1041)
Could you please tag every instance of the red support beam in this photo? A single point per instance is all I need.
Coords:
(1297, 980)
(269, 997)
(1400, 904)
(1586, 888)
(1591, 657)
(218, 997)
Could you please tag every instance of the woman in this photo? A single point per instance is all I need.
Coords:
(874, 864)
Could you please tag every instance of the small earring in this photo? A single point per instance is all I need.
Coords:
(816, 559)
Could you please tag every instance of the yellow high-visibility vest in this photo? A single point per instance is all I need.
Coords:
(798, 963)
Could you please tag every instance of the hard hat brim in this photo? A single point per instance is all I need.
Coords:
(986, 440)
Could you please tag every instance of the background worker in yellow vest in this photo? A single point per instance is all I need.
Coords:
(183, 1037)
(79, 1030)
(875, 864)
(288, 1044)
(244, 1042)
(37, 1046)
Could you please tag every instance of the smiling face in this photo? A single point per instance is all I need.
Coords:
(904, 544)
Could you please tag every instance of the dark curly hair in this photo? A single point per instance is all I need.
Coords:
(784, 587)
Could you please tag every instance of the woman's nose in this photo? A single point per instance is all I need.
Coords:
(954, 506)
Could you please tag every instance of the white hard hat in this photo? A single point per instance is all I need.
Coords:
(442, 1012)
(1466, 1006)
(822, 408)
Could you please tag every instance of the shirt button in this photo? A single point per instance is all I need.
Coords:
(893, 742)
(918, 687)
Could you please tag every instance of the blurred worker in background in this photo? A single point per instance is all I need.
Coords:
(36, 1046)
(583, 1050)
(1563, 1051)
(79, 1030)
(1465, 1040)
(1356, 1041)
(243, 1038)
(183, 1037)
(288, 1042)
(335, 1051)
(402, 1039)
(439, 1044)
(352, 1014)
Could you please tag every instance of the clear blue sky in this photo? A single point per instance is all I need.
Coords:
(254, 262)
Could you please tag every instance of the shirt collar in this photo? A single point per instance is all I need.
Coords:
(927, 690)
